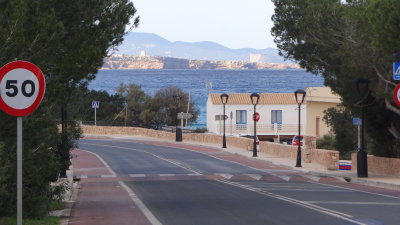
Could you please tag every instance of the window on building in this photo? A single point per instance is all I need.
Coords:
(241, 116)
(276, 116)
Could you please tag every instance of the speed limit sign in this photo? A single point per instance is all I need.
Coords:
(22, 87)
(396, 95)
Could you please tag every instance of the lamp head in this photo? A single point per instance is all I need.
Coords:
(254, 98)
(299, 94)
(224, 98)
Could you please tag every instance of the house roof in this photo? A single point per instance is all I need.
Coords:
(314, 94)
(321, 94)
(265, 99)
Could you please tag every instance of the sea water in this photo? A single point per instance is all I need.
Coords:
(201, 82)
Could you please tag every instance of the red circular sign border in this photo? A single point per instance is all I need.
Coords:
(42, 86)
(256, 116)
(397, 89)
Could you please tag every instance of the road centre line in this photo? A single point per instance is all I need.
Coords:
(317, 208)
(354, 203)
(304, 190)
(157, 156)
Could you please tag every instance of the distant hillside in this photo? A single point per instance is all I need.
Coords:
(155, 45)
(160, 62)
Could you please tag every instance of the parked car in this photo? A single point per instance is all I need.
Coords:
(296, 140)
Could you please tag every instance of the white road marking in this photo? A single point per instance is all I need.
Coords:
(166, 175)
(101, 159)
(108, 176)
(152, 219)
(225, 175)
(149, 215)
(193, 174)
(354, 203)
(317, 208)
(367, 192)
(137, 175)
(157, 156)
(303, 189)
(255, 176)
(283, 177)
(314, 178)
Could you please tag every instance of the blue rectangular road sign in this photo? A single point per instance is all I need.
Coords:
(357, 121)
(396, 71)
(95, 104)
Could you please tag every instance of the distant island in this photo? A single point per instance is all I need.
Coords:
(126, 62)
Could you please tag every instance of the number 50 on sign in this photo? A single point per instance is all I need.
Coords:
(22, 87)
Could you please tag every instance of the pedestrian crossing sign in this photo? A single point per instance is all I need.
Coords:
(396, 71)
(95, 104)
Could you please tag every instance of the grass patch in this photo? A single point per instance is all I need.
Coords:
(49, 220)
(56, 205)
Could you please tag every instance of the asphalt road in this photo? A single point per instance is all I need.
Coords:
(208, 186)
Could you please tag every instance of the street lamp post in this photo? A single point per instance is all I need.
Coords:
(224, 100)
(362, 160)
(178, 131)
(299, 94)
(126, 111)
(254, 100)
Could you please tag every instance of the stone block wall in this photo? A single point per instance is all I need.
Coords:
(379, 165)
(134, 131)
(328, 158)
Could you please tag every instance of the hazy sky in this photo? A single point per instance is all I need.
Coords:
(233, 23)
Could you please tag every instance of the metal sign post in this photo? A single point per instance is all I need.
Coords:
(95, 119)
(22, 86)
(19, 170)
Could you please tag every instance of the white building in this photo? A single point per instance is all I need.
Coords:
(278, 113)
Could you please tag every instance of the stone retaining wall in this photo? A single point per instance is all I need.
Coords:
(379, 165)
(328, 158)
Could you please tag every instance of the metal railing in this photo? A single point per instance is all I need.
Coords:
(262, 129)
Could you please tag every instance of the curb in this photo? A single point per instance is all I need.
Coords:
(69, 198)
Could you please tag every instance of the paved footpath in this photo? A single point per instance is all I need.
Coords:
(101, 201)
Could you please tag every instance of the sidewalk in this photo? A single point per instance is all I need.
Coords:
(315, 169)
(101, 201)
